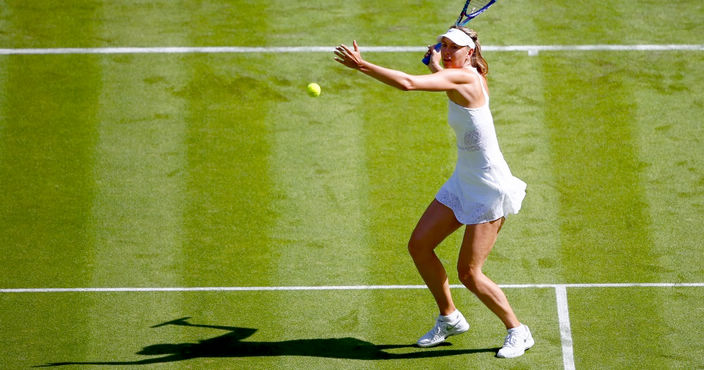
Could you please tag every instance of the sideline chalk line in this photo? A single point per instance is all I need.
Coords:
(332, 287)
(531, 49)
(563, 317)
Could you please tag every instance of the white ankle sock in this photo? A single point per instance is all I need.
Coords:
(451, 317)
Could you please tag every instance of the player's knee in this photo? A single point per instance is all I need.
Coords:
(413, 246)
(417, 247)
(469, 277)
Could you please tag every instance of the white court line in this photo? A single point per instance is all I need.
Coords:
(563, 316)
(531, 49)
(332, 287)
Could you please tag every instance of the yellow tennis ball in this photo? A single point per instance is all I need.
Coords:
(313, 89)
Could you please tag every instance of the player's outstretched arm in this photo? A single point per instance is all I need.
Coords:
(444, 80)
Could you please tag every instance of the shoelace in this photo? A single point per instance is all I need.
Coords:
(442, 326)
(438, 328)
(511, 339)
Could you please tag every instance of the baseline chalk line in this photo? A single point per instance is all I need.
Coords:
(531, 49)
(331, 287)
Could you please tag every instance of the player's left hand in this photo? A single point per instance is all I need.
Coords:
(351, 58)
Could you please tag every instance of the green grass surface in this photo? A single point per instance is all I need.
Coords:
(165, 170)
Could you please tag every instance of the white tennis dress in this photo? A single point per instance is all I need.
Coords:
(482, 188)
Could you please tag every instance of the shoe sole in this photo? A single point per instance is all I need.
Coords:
(529, 345)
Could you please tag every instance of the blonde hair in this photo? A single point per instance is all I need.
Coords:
(477, 59)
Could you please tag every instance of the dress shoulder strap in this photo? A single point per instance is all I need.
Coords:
(481, 81)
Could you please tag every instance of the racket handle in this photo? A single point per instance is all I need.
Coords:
(426, 59)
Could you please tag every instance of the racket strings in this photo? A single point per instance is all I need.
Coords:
(473, 8)
(477, 5)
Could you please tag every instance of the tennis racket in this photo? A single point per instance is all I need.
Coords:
(472, 8)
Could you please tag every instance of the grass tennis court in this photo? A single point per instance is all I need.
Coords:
(216, 170)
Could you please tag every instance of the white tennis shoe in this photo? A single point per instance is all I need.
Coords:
(516, 343)
(444, 328)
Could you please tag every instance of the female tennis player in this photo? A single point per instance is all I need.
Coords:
(480, 193)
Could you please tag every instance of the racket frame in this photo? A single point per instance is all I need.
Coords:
(462, 21)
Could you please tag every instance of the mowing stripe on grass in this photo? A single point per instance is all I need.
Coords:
(48, 114)
(228, 148)
(604, 217)
(47, 133)
(329, 49)
(137, 211)
(603, 213)
(49, 109)
(318, 169)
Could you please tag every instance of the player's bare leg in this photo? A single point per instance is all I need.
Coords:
(478, 242)
(435, 225)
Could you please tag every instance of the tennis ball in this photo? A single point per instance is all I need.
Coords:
(313, 89)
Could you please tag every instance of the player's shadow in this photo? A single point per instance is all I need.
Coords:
(232, 345)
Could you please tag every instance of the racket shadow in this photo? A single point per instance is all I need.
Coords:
(232, 345)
